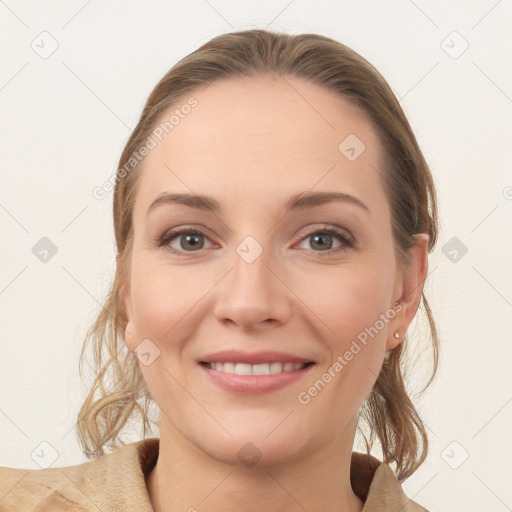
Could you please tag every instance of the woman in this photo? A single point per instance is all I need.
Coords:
(273, 214)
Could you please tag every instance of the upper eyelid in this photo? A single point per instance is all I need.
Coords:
(181, 231)
(204, 231)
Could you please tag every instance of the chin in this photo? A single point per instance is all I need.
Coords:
(249, 454)
(254, 446)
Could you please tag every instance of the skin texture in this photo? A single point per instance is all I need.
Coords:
(251, 144)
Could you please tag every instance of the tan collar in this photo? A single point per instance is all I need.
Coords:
(376, 484)
(116, 481)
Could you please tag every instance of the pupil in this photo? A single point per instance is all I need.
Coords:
(318, 239)
(190, 239)
(322, 245)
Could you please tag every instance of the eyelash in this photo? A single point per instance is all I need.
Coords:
(347, 240)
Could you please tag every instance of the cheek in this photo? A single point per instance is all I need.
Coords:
(163, 296)
(346, 300)
(351, 304)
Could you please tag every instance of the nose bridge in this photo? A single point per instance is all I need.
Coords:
(251, 292)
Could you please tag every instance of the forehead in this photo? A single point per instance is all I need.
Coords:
(263, 136)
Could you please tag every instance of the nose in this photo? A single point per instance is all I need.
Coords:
(254, 295)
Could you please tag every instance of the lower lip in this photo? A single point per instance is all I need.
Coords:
(254, 384)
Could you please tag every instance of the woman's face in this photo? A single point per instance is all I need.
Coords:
(271, 283)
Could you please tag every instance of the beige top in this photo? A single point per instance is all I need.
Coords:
(116, 482)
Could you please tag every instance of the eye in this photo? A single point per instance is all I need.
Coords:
(322, 239)
(189, 240)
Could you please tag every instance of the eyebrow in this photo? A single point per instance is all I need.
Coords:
(296, 202)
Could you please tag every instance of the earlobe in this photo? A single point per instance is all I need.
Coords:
(395, 337)
(412, 281)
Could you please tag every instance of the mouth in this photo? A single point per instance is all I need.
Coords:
(253, 373)
(270, 368)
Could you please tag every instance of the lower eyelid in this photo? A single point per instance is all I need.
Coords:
(170, 236)
(347, 241)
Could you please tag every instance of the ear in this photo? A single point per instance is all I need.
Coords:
(129, 331)
(409, 286)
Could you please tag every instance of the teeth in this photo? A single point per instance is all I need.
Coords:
(275, 368)
(261, 369)
(243, 369)
(255, 369)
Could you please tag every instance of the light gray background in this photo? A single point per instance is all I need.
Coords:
(66, 117)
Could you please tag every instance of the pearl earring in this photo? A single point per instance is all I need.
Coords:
(397, 335)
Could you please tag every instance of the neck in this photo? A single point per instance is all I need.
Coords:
(187, 479)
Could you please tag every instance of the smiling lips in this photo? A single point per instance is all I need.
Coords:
(254, 373)
(256, 369)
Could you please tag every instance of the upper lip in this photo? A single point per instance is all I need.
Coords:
(237, 356)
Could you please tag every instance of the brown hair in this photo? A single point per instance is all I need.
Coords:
(388, 410)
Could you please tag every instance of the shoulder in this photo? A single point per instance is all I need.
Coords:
(376, 484)
(110, 482)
